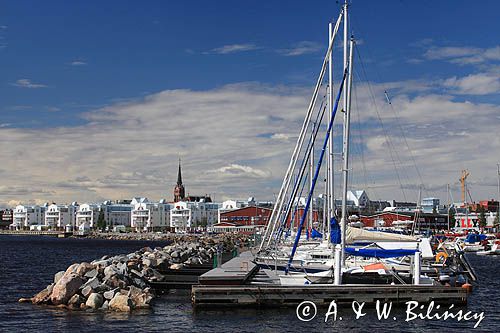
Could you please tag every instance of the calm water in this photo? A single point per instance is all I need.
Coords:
(27, 265)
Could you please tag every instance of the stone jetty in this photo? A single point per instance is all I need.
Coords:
(121, 283)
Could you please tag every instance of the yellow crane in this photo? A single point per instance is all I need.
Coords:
(462, 179)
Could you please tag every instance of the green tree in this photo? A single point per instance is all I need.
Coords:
(101, 223)
(482, 217)
(451, 217)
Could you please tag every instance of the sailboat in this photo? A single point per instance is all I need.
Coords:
(298, 260)
(317, 260)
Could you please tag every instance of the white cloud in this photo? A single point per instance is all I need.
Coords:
(242, 171)
(280, 136)
(233, 48)
(235, 149)
(463, 55)
(26, 83)
(300, 48)
(474, 84)
(78, 63)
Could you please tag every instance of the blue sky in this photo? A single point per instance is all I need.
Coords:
(76, 65)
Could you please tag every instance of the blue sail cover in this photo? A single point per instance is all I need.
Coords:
(316, 234)
(379, 253)
(475, 238)
(334, 231)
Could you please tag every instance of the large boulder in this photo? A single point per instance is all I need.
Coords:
(120, 303)
(65, 288)
(110, 294)
(83, 268)
(92, 283)
(94, 301)
(43, 297)
(58, 276)
(76, 301)
(140, 298)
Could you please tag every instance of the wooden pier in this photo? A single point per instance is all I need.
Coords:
(238, 283)
(269, 295)
(236, 271)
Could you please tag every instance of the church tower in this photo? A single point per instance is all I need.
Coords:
(179, 192)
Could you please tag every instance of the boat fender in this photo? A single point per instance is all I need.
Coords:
(467, 287)
(440, 255)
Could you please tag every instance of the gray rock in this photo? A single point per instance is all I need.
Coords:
(87, 291)
(92, 283)
(110, 294)
(58, 276)
(94, 301)
(174, 254)
(75, 301)
(136, 273)
(121, 303)
(105, 305)
(91, 273)
(149, 262)
(65, 288)
(110, 271)
(83, 268)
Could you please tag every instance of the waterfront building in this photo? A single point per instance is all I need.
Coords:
(186, 215)
(6, 218)
(26, 216)
(87, 216)
(359, 198)
(61, 216)
(140, 217)
(150, 216)
(245, 219)
(117, 213)
(406, 219)
(430, 205)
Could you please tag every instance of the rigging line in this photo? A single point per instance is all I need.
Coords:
(392, 150)
(284, 215)
(360, 136)
(318, 120)
(412, 156)
(377, 73)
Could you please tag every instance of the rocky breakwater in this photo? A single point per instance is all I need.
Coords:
(121, 283)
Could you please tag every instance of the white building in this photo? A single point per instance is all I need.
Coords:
(117, 213)
(149, 216)
(61, 216)
(26, 216)
(189, 215)
(140, 215)
(359, 198)
(87, 216)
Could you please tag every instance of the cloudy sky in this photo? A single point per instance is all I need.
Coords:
(98, 100)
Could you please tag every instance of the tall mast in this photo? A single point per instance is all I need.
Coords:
(330, 174)
(311, 173)
(345, 148)
(498, 209)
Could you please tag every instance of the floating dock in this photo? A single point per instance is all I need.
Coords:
(238, 283)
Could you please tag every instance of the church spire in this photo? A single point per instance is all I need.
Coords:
(179, 191)
(179, 175)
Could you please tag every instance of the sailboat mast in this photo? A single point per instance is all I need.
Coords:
(311, 172)
(330, 174)
(345, 148)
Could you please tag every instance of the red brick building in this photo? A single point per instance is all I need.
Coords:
(388, 219)
(247, 216)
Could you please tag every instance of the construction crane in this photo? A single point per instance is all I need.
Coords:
(462, 179)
